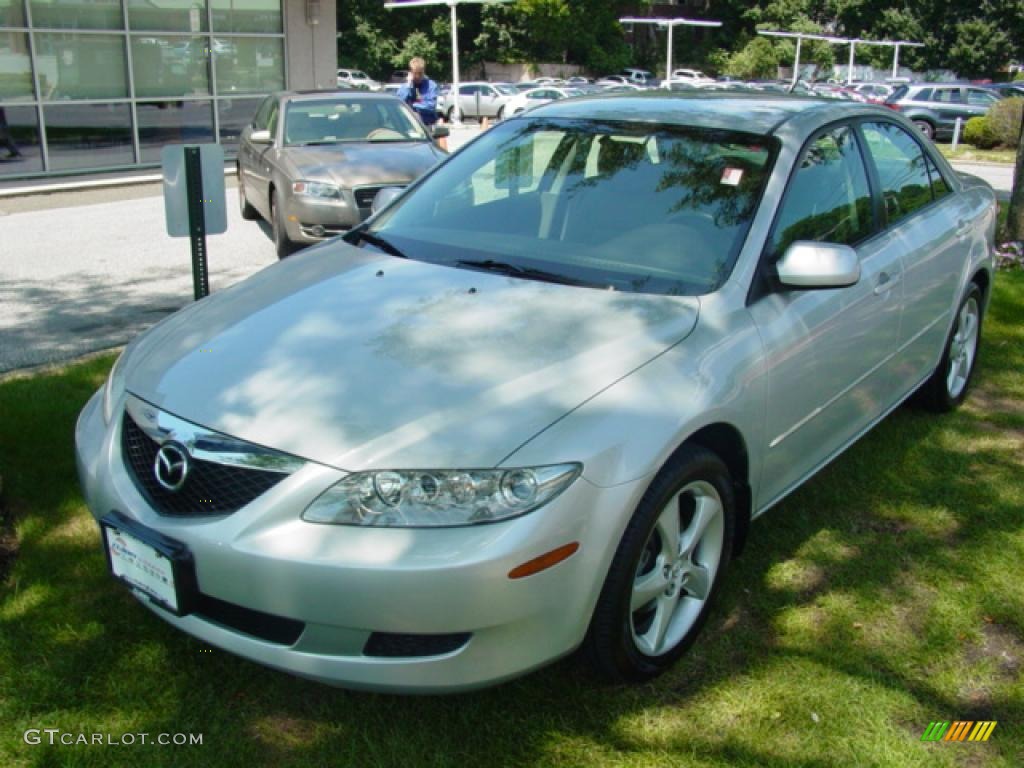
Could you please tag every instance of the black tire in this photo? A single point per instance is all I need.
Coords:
(282, 244)
(943, 391)
(610, 644)
(450, 115)
(248, 212)
(926, 128)
(501, 113)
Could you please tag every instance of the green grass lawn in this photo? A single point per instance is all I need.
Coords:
(970, 154)
(885, 594)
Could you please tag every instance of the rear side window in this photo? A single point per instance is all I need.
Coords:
(828, 199)
(901, 167)
(898, 94)
(980, 98)
(946, 95)
(924, 94)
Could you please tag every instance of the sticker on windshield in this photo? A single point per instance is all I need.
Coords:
(732, 176)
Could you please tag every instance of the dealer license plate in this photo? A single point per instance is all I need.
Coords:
(141, 567)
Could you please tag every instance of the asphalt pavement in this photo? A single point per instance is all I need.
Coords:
(88, 270)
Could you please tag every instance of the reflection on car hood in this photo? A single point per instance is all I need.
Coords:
(358, 360)
(353, 164)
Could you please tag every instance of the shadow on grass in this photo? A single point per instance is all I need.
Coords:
(856, 602)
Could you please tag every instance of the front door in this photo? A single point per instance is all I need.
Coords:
(827, 351)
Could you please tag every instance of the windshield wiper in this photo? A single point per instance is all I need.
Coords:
(529, 273)
(376, 241)
(319, 143)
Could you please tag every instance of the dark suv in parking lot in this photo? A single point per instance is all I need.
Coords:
(934, 107)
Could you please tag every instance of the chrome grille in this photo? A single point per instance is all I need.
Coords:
(210, 488)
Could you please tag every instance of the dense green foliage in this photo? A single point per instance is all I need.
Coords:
(1005, 120)
(973, 38)
(978, 133)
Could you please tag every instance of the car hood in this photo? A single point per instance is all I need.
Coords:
(358, 360)
(355, 164)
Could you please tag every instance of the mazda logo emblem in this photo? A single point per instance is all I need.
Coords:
(171, 466)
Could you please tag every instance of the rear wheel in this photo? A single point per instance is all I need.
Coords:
(282, 244)
(666, 570)
(925, 128)
(948, 385)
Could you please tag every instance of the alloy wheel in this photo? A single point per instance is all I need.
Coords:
(677, 568)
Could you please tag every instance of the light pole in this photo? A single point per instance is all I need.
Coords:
(800, 37)
(670, 24)
(452, 4)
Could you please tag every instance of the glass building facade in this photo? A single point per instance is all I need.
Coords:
(102, 84)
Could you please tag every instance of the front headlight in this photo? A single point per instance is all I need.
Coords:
(432, 498)
(316, 189)
(113, 389)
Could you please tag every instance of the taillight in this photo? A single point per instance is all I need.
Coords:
(895, 107)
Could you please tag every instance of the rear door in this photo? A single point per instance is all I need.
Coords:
(828, 351)
(929, 226)
(948, 104)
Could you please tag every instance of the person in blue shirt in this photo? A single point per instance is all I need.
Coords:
(420, 92)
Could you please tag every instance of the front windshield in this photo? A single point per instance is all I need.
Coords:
(331, 121)
(632, 206)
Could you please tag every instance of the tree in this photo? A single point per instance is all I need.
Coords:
(757, 59)
(980, 47)
(1015, 216)
(415, 44)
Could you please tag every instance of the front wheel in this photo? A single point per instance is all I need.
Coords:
(244, 207)
(948, 385)
(666, 570)
(501, 113)
(282, 245)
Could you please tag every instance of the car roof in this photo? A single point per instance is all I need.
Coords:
(759, 112)
(312, 95)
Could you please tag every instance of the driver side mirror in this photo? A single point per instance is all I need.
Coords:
(809, 265)
(440, 131)
(261, 137)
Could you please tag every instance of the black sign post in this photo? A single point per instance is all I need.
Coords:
(196, 222)
(194, 201)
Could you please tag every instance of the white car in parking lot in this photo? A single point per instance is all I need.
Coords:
(537, 96)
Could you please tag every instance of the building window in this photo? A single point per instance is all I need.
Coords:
(100, 84)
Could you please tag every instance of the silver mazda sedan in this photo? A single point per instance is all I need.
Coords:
(311, 162)
(534, 403)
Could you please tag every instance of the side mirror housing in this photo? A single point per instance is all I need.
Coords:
(440, 131)
(261, 137)
(810, 265)
(384, 197)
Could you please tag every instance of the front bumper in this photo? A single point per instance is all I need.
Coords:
(345, 583)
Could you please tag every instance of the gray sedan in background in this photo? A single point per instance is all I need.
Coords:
(311, 163)
(534, 404)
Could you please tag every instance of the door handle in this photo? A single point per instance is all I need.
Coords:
(963, 230)
(885, 283)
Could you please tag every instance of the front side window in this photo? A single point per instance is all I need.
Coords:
(901, 167)
(635, 207)
(828, 199)
(325, 121)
